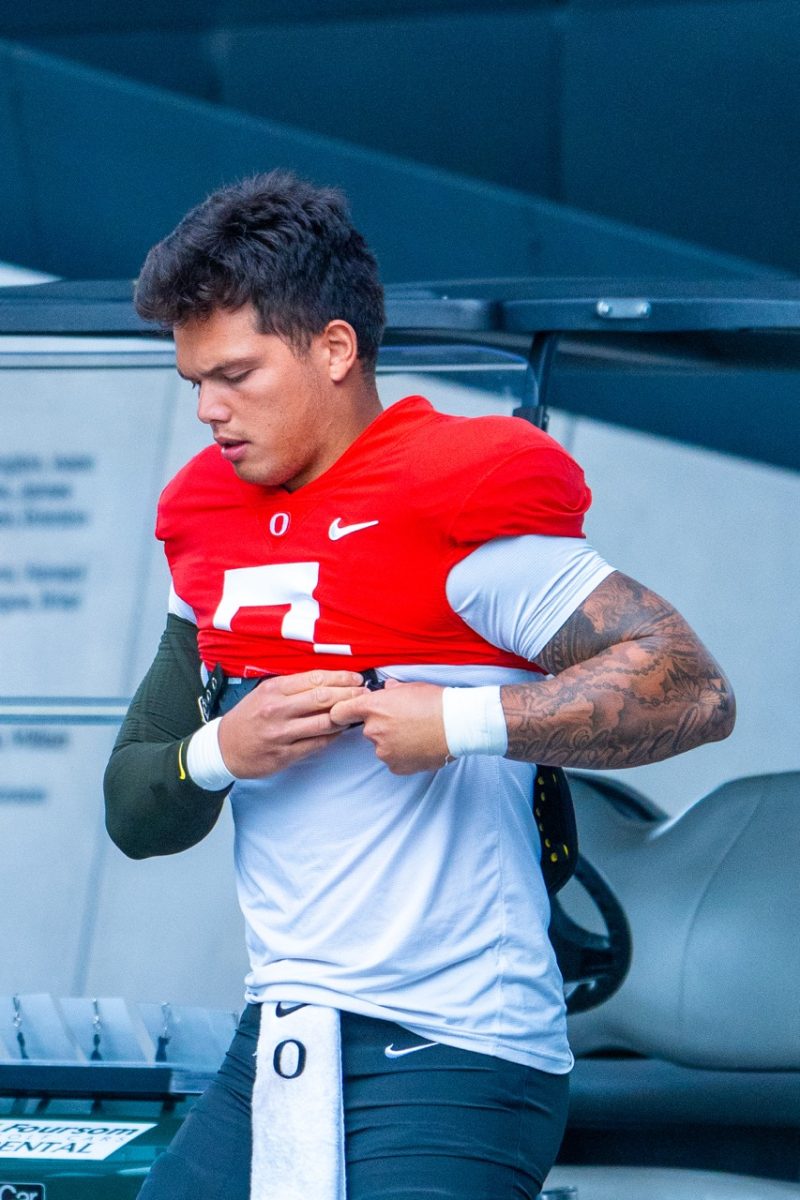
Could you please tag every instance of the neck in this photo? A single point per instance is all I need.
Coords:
(357, 407)
(366, 405)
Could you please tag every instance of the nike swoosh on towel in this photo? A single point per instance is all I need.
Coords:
(283, 1010)
(390, 1051)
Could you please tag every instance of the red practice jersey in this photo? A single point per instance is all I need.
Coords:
(349, 571)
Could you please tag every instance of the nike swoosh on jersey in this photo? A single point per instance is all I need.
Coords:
(337, 530)
(390, 1051)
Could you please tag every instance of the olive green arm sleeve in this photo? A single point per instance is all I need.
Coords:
(152, 806)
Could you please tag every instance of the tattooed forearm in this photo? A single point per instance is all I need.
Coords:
(632, 684)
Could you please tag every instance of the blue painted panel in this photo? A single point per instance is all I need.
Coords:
(173, 58)
(114, 165)
(686, 117)
(53, 16)
(17, 199)
(475, 93)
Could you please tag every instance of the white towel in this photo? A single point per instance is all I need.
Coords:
(298, 1118)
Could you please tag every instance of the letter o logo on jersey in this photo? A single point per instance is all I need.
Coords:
(279, 523)
(283, 1056)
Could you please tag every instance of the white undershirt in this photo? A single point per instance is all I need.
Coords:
(517, 592)
(418, 898)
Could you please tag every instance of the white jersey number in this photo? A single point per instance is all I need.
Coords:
(273, 585)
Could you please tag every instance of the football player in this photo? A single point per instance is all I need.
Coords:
(404, 1006)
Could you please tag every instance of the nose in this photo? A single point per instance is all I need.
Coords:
(211, 406)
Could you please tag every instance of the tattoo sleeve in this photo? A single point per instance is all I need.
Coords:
(631, 684)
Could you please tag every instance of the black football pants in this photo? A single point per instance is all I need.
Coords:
(437, 1122)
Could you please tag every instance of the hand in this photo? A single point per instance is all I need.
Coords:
(284, 719)
(404, 722)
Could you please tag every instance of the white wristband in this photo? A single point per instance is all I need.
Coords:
(204, 760)
(474, 722)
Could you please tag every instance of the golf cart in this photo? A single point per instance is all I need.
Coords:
(677, 935)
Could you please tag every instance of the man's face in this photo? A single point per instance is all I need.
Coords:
(270, 409)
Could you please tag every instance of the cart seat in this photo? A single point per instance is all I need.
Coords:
(695, 1060)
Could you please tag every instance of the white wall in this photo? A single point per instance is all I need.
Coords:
(716, 535)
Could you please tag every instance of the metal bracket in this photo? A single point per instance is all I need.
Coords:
(540, 357)
(623, 310)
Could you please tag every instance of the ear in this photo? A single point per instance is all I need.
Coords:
(340, 345)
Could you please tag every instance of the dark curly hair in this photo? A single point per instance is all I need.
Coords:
(276, 242)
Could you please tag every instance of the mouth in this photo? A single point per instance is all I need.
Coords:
(231, 449)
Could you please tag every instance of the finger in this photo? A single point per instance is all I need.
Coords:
(392, 683)
(319, 700)
(309, 745)
(277, 707)
(316, 724)
(306, 681)
(352, 711)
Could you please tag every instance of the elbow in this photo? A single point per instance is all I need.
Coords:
(120, 827)
(120, 834)
(727, 711)
(722, 709)
(711, 699)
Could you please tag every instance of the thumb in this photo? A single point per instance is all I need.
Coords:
(351, 712)
(392, 683)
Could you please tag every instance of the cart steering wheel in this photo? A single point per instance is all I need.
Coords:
(593, 965)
